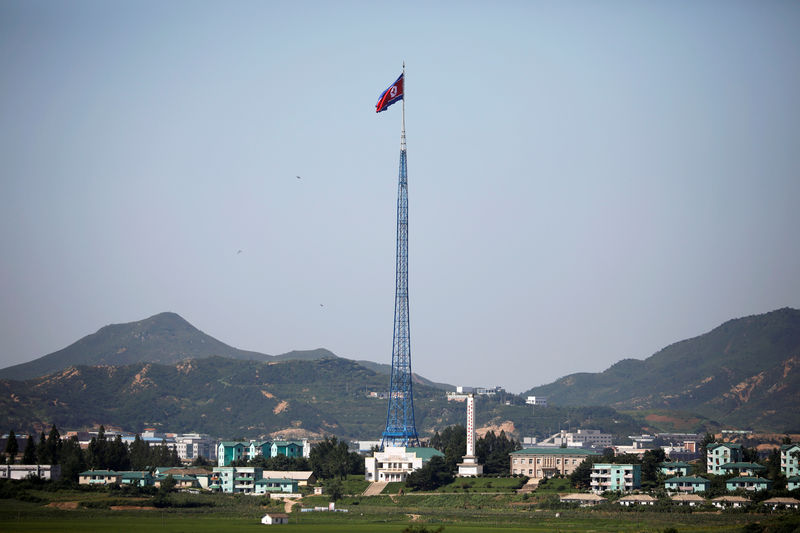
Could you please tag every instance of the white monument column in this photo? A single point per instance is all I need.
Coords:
(470, 467)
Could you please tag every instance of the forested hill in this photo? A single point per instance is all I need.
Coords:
(232, 398)
(745, 372)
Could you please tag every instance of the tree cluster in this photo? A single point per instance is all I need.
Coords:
(331, 458)
(431, 476)
(102, 454)
(492, 451)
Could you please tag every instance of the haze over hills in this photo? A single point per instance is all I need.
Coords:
(164, 338)
(744, 372)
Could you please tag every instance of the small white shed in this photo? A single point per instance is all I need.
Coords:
(275, 518)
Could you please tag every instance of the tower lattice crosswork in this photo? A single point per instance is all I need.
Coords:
(400, 428)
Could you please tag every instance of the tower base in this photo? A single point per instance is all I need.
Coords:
(469, 467)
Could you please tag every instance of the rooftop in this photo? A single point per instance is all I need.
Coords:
(554, 451)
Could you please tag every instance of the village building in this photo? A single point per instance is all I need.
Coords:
(540, 463)
(637, 499)
(687, 484)
(50, 472)
(692, 500)
(718, 454)
(620, 477)
(394, 463)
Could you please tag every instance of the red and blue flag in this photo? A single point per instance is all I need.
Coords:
(391, 95)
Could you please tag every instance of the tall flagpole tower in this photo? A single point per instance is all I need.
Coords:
(400, 427)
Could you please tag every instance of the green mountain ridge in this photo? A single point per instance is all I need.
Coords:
(232, 398)
(742, 373)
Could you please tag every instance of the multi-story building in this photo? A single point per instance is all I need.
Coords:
(622, 477)
(790, 460)
(721, 453)
(536, 400)
(236, 479)
(230, 451)
(394, 463)
(582, 438)
(190, 446)
(540, 463)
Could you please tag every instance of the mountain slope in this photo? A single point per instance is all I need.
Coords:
(231, 398)
(744, 372)
(163, 338)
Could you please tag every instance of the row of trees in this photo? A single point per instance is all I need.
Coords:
(101, 453)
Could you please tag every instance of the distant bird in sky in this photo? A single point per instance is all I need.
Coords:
(321, 305)
(298, 177)
(237, 253)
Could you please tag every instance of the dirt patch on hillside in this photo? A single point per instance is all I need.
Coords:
(267, 394)
(674, 420)
(281, 407)
(507, 426)
(64, 506)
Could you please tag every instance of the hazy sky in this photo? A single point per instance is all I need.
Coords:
(588, 181)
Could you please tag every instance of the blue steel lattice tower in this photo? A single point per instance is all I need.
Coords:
(400, 428)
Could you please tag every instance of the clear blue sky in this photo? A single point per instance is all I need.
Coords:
(588, 181)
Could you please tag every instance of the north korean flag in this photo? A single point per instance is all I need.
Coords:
(391, 95)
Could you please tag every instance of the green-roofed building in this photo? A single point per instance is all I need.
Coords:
(743, 469)
(721, 453)
(236, 479)
(99, 477)
(687, 484)
(793, 483)
(790, 460)
(543, 462)
(281, 485)
(675, 468)
(748, 483)
(137, 479)
(230, 451)
(394, 463)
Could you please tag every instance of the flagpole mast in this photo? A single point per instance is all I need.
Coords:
(403, 130)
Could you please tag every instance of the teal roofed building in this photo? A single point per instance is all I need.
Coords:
(790, 460)
(289, 448)
(615, 477)
(230, 451)
(674, 468)
(793, 483)
(236, 479)
(99, 477)
(743, 469)
(687, 484)
(721, 453)
(137, 479)
(748, 483)
(278, 485)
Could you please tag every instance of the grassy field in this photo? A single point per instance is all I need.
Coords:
(41, 510)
